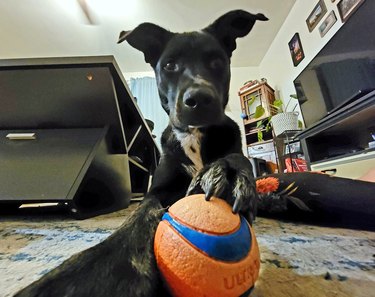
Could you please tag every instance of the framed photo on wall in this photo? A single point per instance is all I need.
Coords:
(296, 50)
(347, 7)
(327, 23)
(316, 15)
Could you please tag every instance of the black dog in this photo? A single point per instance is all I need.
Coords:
(202, 153)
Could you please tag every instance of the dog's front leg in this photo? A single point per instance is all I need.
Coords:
(230, 178)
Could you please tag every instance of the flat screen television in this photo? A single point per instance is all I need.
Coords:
(343, 71)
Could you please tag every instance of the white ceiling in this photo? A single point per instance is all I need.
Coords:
(39, 28)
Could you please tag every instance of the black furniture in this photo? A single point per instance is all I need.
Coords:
(87, 146)
(342, 134)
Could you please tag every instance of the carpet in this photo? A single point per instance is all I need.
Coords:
(296, 259)
(32, 245)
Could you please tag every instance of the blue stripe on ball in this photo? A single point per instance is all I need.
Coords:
(229, 247)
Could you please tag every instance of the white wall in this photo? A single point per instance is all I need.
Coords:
(277, 65)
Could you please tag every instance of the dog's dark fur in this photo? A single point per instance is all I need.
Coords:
(202, 153)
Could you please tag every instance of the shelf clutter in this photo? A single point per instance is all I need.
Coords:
(257, 104)
(254, 95)
(292, 155)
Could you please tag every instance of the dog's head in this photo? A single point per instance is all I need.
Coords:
(193, 69)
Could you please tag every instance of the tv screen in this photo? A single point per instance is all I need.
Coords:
(343, 71)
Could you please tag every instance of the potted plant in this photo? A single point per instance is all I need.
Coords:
(281, 120)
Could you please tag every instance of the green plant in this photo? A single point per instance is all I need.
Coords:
(278, 104)
(259, 110)
(276, 107)
(263, 124)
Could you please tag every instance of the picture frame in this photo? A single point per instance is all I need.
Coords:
(296, 50)
(316, 15)
(327, 24)
(347, 7)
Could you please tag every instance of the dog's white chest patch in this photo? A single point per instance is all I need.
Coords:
(191, 144)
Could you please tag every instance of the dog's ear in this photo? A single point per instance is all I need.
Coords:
(234, 24)
(149, 39)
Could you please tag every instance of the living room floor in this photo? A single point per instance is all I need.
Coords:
(297, 260)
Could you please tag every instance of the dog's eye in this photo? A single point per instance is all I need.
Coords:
(216, 64)
(171, 67)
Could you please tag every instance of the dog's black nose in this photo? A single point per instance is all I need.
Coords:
(197, 98)
(191, 102)
(199, 106)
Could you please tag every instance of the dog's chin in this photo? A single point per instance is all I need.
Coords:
(197, 122)
(203, 124)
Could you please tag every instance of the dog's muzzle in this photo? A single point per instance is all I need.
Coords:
(200, 107)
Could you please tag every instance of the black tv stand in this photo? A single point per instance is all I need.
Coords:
(340, 140)
(354, 97)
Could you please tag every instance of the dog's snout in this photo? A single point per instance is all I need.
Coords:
(199, 106)
(196, 99)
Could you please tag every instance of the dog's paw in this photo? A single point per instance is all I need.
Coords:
(230, 180)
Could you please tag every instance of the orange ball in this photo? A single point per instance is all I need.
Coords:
(203, 249)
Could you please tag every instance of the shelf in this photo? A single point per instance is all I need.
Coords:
(260, 142)
(255, 131)
(344, 133)
(251, 121)
(248, 88)
(354, 115)
(253, 137)
(134, 138)
(99, 175)
(137, 164)
(348, 155)
(264, 96)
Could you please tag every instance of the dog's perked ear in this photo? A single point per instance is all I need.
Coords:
(149, 39)
(234, 24)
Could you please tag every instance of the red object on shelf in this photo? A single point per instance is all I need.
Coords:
(299, 165)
